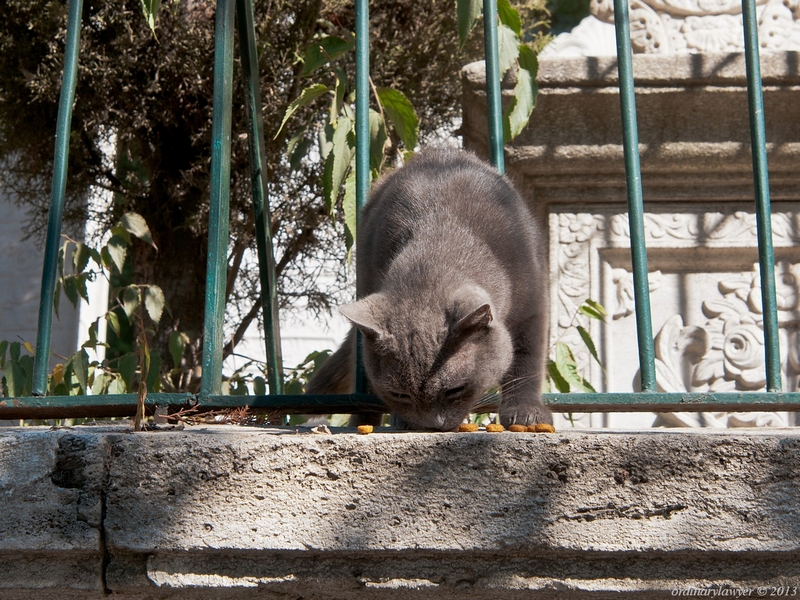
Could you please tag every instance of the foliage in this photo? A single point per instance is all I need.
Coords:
(142, 134)
(136, 307)
(513, 52)
(562, 368)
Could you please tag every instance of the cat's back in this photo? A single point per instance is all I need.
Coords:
(436, 181)
(444, 193)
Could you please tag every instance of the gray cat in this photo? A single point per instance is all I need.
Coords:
(454, 296)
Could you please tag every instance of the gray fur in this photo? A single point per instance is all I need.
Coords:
(454, 295)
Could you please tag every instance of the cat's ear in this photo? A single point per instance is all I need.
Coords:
(477, 320)
(367, 314)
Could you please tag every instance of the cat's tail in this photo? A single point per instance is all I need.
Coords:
(337, 374)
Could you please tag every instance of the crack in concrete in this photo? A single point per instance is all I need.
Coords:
(103, 542)
(629, 511)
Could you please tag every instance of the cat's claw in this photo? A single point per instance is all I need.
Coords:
(525, 414)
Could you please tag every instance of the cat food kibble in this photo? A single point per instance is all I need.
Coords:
(542, 428)
(364, 429)
(467, 427)
(517, 428)
(495, 428)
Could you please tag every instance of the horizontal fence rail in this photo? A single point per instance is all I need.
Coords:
(120, 405)
(210, 398)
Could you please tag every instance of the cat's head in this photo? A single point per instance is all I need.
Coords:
(432, 361)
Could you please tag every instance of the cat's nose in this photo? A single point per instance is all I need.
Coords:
(438, 422)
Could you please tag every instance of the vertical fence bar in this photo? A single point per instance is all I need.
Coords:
(633, 174)
(220, 199)
(758, 142)
(493, 94)
(258, 176)
(362, 143)
(57, 192)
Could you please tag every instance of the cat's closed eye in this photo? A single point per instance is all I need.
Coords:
(456, 391)
(400, 396)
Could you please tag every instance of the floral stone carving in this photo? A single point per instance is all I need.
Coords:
(727, 352)
(683, 26)
(702, 25)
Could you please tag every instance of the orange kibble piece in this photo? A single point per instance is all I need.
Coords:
(542, 428)
(517, 428)
(364, 429)
(467, 427)
(495, 428)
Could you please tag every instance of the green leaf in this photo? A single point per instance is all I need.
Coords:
(508, 48)
(113, 322)
(153, 373)
(15, 378)
(80, 282)
(127, 369)
(71, 289)
(121, 233)
(306, 97)
(338, 106)
(154, 302)
(237, 387)
(80, 367)
(80, 257)
(3, 347)
(350, 209)
(101, 382)
(518, 112)
(26, 365)
(293, 386)
(597, 307)
(557, 378)
(568, 367)
(259, 386)
(135, 224)
(92, 341)
(131, 300)
(590, 312)
(62, 254)
(468, 12)
(399, 110)
(338, 161)
(587, 339)
(117, 386)
(150, 9)
(177, 346)
(509, 16)
(14, 351)
(319, 357)
(57, 297)
(528, 60)
(298, 147)
(117, 249)
(377, 139)
(322, 51)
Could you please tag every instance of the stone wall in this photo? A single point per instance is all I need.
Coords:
(231, 512)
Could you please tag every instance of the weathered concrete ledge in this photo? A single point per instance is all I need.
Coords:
(226, 512)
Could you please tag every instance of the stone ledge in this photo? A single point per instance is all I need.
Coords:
(224, 512)
(693, 122)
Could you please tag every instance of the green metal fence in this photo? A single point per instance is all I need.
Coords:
(41, 406)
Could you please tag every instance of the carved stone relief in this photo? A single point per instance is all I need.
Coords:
(683, 26)
(727, 352)
(705, 295)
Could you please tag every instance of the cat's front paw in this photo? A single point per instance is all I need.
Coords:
(524, 413)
